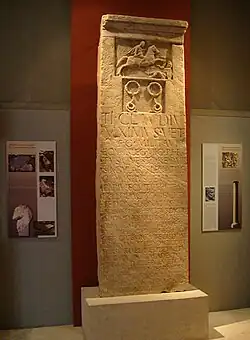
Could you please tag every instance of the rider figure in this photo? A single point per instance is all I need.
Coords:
(137, 51)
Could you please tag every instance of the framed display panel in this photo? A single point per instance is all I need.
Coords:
(31, 178)
(221, 186)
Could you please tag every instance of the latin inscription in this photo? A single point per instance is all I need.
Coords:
(143, 129)
(134, 119)
(145, 139)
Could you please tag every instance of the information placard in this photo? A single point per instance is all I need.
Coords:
(31, 174)
(221, 197)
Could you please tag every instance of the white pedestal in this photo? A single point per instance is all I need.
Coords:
(166, 316)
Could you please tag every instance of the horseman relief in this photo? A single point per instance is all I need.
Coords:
(145, 60)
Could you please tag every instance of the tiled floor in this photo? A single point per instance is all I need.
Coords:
(231, 325)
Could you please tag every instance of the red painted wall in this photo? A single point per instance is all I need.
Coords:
(86, 16)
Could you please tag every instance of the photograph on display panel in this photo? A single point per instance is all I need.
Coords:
(22, 163)
(210, 194)
(28, 186)
(45, 228)
(229, 187)
(222, 170)
(46, 184)
(46, 161)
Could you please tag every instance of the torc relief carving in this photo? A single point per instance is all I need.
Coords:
(141, 177)
(143, 96)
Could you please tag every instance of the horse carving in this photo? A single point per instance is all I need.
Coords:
(22, 215)
(151, 63)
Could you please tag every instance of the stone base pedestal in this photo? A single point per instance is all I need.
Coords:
(166, 316)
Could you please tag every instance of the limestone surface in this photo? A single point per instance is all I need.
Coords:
(141, 178)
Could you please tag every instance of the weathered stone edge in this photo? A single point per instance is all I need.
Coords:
(144, 25)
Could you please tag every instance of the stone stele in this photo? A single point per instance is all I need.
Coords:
(141, 180)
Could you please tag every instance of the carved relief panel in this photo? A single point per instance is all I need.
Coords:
(143, 95)
(145, 67)
(143, 59)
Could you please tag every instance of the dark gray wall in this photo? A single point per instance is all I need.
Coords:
(35, 53)
(35, 284)
(220, 73)
(220, 54)
(220, 260)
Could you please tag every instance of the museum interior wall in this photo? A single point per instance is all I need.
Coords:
(220, 52)
(220, 103)
(35, 284)
(219, 260)
(86, 19)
